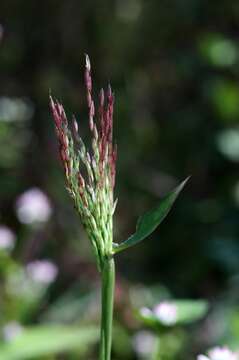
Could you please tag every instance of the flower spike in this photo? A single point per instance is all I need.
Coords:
(91, 189)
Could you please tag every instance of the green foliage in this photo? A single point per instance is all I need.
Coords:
(39, 341)
(148, 222)
(225, 97)
(187, 311)
(219, 50)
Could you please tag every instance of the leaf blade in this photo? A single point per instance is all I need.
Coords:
(148, 222)
(187, 312)
(43, 340)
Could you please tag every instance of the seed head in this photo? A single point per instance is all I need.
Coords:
(90, 175)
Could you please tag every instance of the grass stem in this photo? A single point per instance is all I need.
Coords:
(107, 305)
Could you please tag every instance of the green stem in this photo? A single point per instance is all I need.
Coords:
(107, 305)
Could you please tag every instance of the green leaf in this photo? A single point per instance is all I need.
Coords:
(187, 311)
(190, 310)
(36, 342)
(148, 222)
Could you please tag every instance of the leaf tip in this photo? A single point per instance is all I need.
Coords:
(182, 185)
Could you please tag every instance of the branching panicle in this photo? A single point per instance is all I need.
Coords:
(92, 194)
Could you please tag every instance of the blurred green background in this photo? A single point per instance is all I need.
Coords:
(174, 68)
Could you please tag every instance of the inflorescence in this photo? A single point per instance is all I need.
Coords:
(90, 175)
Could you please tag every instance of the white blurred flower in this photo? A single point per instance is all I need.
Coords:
(166, 313)
(222, 353)
(33, 207)
(11, 330)
(7, 238)
(219, 353)
(42, 271)
(143, 342)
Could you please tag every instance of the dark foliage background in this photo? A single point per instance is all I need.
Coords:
(174, 68)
